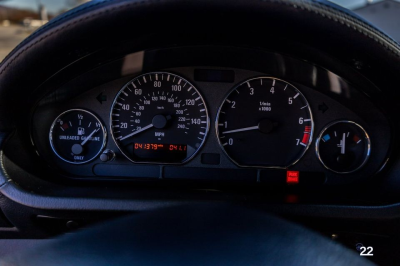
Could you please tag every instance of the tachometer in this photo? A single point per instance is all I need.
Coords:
(265, 122)
(159, 117)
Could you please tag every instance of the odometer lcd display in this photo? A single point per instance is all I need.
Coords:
(165, 152)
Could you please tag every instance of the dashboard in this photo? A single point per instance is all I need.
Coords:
(277, 121)
(291, 109)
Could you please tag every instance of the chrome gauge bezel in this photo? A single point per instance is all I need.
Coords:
(261, 166)
(152, 162)
(78, 110)
(317, 142)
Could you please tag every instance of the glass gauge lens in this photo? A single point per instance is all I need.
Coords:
(159, 117)
(343, 147)
(77, 136)
(264, 122)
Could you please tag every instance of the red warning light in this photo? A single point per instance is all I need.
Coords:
(292, 177)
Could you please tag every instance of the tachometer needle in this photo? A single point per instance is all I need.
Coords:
(137, 132)
(88, 137)
(240, 130)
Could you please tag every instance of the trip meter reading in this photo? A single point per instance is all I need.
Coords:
(264, 122)
(77, 136)
(159, 117)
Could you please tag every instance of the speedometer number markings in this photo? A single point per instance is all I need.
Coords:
(161, 113)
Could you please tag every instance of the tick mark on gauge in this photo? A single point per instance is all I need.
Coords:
(228, 100)
(199, 138)
(202, 110)
(302, 144)
(70, 123)
(198, 98)
(273, 82)
(133, 84)
(226, 143)
(248, 84)
(144, 79)
(190, 88)
(285, 87)
(294, 97)
(179, 82)
(303, 107)
(156, 76)
(202, 133)
(168, 78)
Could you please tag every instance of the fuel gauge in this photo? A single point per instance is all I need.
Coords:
(77, 136)
(343, 147)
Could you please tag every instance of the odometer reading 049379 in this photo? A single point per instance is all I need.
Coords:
(265, 122)
(159, 117)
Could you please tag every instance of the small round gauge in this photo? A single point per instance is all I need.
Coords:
(343, 147)
(265, 122)
(159, 117)
(77, 136)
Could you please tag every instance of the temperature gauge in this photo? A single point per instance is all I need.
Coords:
(343, 147)
(77, 136)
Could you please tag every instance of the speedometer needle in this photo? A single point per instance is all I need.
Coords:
(240, 130)
(88, 137)
(137, 132)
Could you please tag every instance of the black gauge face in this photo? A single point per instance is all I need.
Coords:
(159, 117)
(265, 122)
(77, 136)
(343, 147)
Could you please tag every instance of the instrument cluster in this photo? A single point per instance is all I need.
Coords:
(205, 122)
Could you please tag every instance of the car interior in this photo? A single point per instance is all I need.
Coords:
(207, 132)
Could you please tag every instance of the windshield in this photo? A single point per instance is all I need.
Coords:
(19, 18)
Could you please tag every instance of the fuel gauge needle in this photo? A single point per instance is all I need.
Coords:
(137, 132)
(88, 137)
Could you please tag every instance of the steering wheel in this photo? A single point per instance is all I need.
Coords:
(194, 234)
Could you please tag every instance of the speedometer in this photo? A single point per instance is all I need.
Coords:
(159, 117)
(265, 122)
